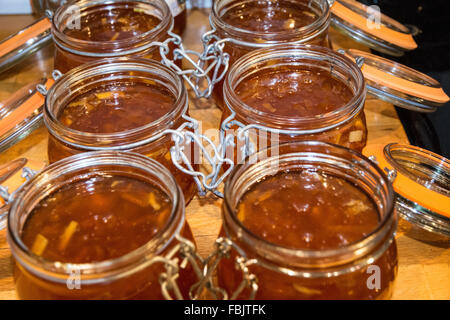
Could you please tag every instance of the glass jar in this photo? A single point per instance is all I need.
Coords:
(132, 275)
(265, 29)
(147, 138)
(74, 42)
(177, 8)
(269, 77)
(179, 13)
(364, 268)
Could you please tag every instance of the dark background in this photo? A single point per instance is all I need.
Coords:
(432, 57)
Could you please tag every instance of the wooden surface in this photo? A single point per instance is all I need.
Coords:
(424, 270)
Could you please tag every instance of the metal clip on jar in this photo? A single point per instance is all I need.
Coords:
(278, 258)
(130, 105)
(266, 24)
(292, 93)
(54, 267)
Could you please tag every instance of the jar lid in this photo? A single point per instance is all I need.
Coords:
(398, 84)
(369, 26)
(421, 180)
(20, 45)
(21, 113)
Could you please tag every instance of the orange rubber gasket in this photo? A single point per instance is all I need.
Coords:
(400, 39)
(409, 189)
(22, 112)
(25, 35)
(409, 87)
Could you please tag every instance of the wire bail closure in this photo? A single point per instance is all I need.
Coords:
(8, 198)
(215, 157)
(223, 246)
(211, 61)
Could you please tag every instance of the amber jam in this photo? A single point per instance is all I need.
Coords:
(315, 226)
(96, 218)
(116, 24)
(118, 105)
(261, 24)
(102, 217)
(331, 212)
(270, 16)
(294, 93)
(114, 28)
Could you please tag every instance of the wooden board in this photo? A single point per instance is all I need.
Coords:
(424, 271)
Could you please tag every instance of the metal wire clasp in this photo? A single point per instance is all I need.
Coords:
(185, 250)
(209, 68)
(223, 247)
(8, 198)
(208, 151)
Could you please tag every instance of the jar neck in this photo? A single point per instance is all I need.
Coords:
(87, 77)
(77, 167)
(331, 159)
(258, 39)
(288, 56)
(67, 15)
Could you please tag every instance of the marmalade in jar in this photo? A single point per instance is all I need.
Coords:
(309, 210)
(107, 30)
(115, 24)
(273, 22)
(296, 93)
(94, 218)
(118, 107)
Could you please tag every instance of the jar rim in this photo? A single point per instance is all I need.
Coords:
(113, 48)
(98, 271)
(270, 38)
(110, 66)
(306, 257)
(320, 122)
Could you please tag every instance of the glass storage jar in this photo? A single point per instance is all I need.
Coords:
(345, 251)
(118, 104)
(85, 31)
(100, 228)
(247, 25)
(177, 8)
(295, 92)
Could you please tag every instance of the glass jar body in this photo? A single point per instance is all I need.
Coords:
(65, 61)
(145, 139)
(273, 285)
(158, 150)
(344, 125)
(71, 51)
(143, 285)
(364, 269)
(133, 275)
(244, 41)
(342, 135)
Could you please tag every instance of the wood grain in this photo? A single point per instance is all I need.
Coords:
(424, 258)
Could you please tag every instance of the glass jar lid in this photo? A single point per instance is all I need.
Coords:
(398, 84)
(421, 180)
(21, 113)
(22, 44)
(369, 26)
